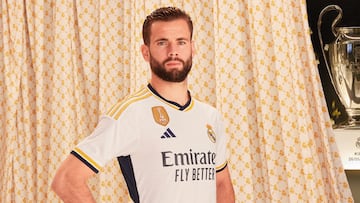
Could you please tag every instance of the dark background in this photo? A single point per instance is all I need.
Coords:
(351, 17)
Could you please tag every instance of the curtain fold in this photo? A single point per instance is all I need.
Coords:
(64, 63)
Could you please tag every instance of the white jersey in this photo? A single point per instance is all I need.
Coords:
(167, 153)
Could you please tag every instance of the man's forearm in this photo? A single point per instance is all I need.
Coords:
(73, 192)
(224, 188)
(225, 194)
(70, 181)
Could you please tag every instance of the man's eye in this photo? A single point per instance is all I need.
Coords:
(182, 42)
(161, 43)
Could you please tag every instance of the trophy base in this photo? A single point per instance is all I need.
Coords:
(353, 123)
(354, 118)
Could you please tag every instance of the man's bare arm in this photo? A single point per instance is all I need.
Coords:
(224, 187)
(70, 181)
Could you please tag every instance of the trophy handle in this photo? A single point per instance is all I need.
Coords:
(334, 31)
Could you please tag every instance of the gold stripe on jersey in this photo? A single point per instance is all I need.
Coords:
(115, 106)
(119, 107)
(87, 158)
(190, 106)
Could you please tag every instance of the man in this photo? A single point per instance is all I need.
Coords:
(170, 147)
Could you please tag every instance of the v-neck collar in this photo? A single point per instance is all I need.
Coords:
(172, 103)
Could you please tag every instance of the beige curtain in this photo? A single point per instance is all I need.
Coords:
(63, 63)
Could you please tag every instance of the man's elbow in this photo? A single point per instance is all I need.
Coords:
(64, 183)
(58, 184)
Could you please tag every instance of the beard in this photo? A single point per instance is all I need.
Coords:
(173, 75)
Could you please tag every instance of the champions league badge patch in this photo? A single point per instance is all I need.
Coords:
(160, 115)
(211, 133)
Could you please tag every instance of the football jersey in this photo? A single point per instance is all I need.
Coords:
(167, 152)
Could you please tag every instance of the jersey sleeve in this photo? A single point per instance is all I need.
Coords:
(110, 139)
(221, 144)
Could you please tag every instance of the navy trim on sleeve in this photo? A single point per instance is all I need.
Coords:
(220, 169)
(84, 161)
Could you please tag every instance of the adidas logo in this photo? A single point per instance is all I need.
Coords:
(168, 134)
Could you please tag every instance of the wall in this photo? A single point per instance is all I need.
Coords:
(353, 177)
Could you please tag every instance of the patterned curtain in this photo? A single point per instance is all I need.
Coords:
(63, 63)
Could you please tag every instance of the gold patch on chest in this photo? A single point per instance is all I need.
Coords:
(160, 115)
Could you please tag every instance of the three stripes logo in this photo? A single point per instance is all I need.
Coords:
(168, 134)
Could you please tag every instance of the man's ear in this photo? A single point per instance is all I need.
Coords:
(145, 52)
(193, 48)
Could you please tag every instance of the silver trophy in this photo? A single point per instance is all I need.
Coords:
(342, 59)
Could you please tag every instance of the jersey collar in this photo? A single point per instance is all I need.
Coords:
(185, 107)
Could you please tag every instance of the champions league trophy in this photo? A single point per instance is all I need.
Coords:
(343, 64)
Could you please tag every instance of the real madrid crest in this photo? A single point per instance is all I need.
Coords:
(211, 133)
(160, 115)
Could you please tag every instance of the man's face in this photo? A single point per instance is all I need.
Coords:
(170, 50)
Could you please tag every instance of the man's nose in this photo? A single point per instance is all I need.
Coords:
(172, 50)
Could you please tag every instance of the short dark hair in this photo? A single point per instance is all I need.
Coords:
(164, 14)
